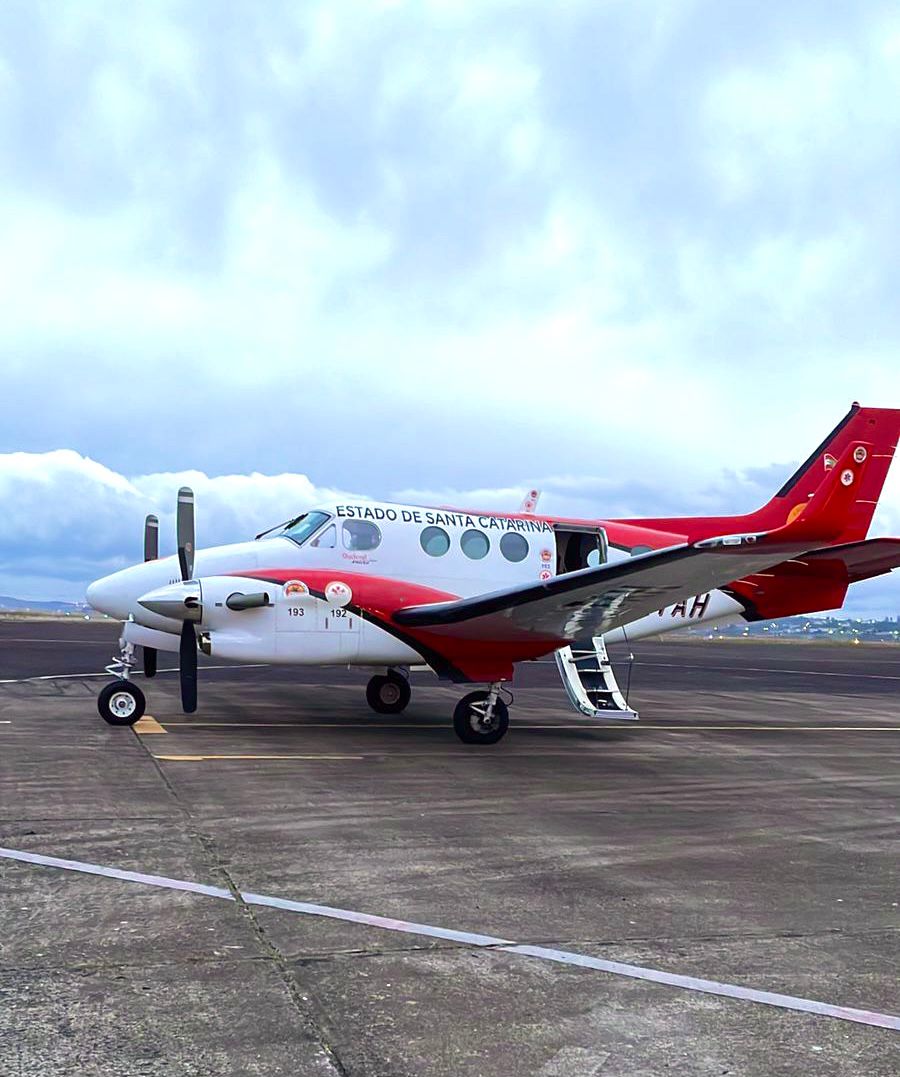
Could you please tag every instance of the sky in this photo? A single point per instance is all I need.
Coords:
(641, 254)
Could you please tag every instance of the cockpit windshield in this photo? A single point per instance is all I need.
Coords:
(301, 528)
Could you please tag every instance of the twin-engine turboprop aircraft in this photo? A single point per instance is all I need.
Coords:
(468, 594)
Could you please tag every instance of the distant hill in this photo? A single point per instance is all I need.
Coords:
(13, 605)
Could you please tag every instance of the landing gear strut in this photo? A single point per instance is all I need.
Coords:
(481, 717)
(388, 695)
(122, 702)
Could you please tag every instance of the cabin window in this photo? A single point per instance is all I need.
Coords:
(360, 535)
(327, 539)
(435, 541)
(475, 544)
(514, 546)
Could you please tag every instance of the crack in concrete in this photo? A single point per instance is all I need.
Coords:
(314, 1028)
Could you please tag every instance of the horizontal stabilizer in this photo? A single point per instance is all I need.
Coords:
(814, 581)
(860, 560)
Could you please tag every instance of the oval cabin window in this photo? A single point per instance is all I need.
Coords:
(435, 541)
(513, 546)
(475, 544)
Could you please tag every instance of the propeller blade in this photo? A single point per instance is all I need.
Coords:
(151, 553)
(187, 667)
(184, 524)
(151, 538)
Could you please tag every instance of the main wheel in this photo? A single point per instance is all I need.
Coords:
(121, 703)
(388, 695)
(471, 725)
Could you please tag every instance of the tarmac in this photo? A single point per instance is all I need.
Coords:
(705, 892)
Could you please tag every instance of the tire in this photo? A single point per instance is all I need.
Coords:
(388, 695)
(465, 720)
(121, 703)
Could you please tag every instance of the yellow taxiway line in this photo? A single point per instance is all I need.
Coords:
(204, 758)
(523, 727)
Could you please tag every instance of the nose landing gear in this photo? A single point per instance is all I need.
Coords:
(122, 702)
(481, 717)
(388, 694)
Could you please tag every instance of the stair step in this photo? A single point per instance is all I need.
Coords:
(592, 689)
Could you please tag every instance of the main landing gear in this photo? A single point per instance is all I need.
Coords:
(481, 717)
(122, 702)
(388, 694)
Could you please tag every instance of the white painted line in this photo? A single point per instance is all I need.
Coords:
(543, 953)
(116, 873)
(134, 673)
(711, 987)
(387, 923)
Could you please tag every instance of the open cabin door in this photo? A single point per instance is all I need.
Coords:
(584, 667)
(579, 546)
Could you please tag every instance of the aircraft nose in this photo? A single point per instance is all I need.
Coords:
(106, 594)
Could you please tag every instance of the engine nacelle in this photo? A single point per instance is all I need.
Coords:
(232, 601)
(247, 620)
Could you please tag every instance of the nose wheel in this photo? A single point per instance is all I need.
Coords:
(481, 717)
(388, 695)
(121, 703)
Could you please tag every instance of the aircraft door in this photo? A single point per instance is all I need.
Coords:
(579, 547)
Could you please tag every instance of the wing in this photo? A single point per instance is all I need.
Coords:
(595, 600)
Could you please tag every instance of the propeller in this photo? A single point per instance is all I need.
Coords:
(151, 553)
(187, 667)
(184, 601)
(187, 650)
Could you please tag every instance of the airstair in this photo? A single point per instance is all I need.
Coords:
(590, 683)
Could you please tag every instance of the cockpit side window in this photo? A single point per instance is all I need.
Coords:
(327, 539)
(360, 535)
(305, 526)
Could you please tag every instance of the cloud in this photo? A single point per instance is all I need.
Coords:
(445, 245)
(68, 519)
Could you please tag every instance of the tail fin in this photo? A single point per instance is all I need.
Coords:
(878, 428)
(836, 516)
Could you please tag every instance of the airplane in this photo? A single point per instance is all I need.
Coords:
(468, 594)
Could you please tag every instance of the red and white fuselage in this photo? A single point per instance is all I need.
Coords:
(470, 593)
